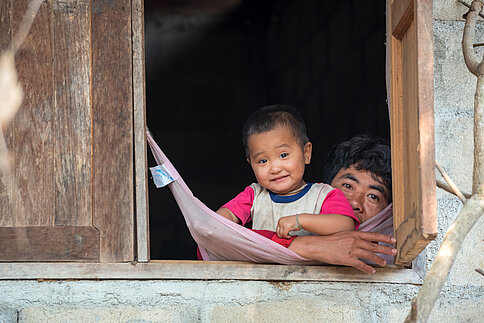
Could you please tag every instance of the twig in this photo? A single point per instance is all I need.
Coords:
(446, 187)
(451, 183)
(469, 6)
(471, 58)
(24, 27)
(478, 45)
(480, 271)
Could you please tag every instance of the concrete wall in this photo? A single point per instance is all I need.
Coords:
(224, 301)
(454, 104)
(461, 300)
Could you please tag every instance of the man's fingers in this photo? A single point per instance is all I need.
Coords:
(376, 237)
(360, 265)
(368, 255)
(375, 247)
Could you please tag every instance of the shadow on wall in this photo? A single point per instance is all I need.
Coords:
(208, 68)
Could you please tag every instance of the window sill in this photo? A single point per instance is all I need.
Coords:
(203, 270)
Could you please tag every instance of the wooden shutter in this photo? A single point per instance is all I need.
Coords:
(69, 195)
(412, 125)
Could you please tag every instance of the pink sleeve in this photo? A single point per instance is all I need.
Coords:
(336, 203)
(241, 204)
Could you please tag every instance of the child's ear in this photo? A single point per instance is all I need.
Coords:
(308, 149)
(248, 160)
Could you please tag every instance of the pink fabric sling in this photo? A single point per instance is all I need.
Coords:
(221, 239)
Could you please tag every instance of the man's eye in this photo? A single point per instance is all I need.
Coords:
(283, 155)
(373, 197)
(262, 161)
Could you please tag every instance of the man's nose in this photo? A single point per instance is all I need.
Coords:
(356, 201)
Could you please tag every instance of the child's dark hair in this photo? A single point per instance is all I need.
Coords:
(269, 117)
(363, 152)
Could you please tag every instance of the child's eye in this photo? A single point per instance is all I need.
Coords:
(346, 185)
(283, 155)
(262, 161)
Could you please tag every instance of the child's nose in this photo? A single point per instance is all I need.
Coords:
(275, 167)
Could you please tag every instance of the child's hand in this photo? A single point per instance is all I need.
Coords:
(286, 224)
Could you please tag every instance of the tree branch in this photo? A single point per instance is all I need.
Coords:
(470, 56)
(424, 302)
(478, 171)
(24, 27)
(452, 185)
(469, 6)
(443, 185)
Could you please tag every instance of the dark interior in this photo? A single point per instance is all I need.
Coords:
(209, 64)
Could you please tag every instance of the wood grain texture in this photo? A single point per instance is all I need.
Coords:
(6, 179)
(5, 24)
(204, 270)
(112, 113)
(402, 17)
(49, 244)
(409, 220)
(425, 58)
(412, 130)
(140, 145)
(72, 120)
(32, 129)
(72, 141)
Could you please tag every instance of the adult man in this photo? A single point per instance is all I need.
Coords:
(361, 168)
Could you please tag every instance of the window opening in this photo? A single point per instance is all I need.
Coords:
(208, 66)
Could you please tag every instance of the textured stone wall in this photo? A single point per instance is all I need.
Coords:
(223, 301)
(454, 104)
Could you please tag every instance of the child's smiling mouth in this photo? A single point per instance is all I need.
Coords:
(279, 179)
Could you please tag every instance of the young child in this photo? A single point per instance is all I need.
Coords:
(278, 149)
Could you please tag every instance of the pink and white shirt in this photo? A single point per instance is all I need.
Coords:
(265, 208)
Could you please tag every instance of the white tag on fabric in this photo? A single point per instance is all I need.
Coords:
(161, 176)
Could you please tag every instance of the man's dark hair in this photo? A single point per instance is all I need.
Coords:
(363, 152)
(269, 117)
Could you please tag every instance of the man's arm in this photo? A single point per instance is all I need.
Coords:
(344, 248)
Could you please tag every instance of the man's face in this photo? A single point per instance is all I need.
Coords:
(367, 196)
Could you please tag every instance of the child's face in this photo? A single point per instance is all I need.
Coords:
(277, 159)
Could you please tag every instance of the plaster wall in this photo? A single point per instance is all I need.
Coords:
(222, 301)
(461, 300)
(454, 88)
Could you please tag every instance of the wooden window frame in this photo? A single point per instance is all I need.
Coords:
(143, 268)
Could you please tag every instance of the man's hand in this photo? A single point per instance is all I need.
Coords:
(344, 248)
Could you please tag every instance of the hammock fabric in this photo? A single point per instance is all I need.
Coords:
(219, 238)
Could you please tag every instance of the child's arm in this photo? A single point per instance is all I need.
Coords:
(322, 224)
(226, 213)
